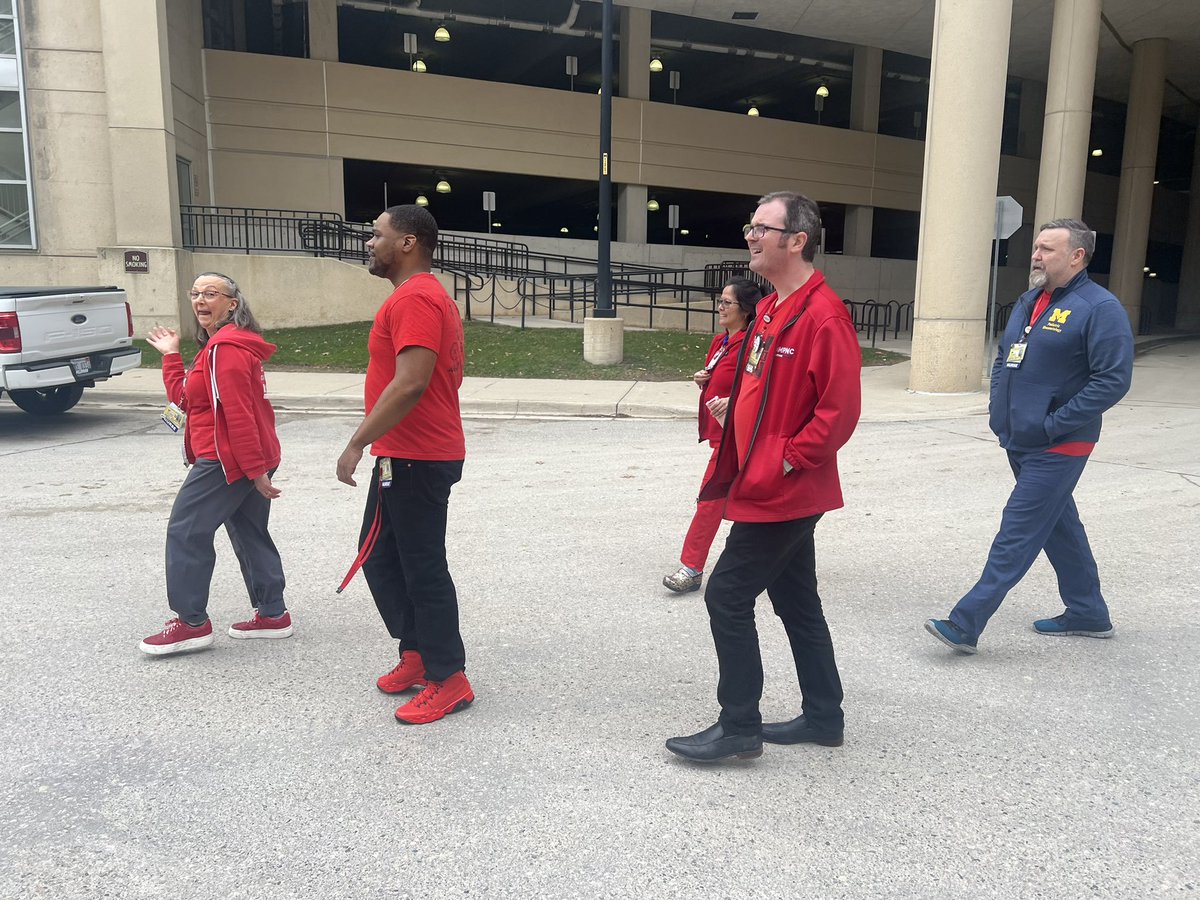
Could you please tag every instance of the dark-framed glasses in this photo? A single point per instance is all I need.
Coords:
(210, 294)
(755, 232)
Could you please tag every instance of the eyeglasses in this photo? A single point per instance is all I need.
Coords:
(210, 294)
(723, 303)
(754, 232)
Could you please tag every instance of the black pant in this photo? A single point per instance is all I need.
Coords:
(407, 570)
(780, 558)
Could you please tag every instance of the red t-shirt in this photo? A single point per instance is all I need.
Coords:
(769, 321)
(419, 313)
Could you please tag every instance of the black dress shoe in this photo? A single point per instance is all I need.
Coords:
(798, 731)
(714, 744)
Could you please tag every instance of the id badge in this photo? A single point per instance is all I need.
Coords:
(1016, 355)
(385, 471)
(755, 352)
(173, 417)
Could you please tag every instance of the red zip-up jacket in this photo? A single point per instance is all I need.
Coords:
(719, 384)
(811, 399)
(225, 396)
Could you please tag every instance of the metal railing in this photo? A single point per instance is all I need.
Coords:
(506, 275)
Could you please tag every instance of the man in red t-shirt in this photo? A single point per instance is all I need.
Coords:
(415, 433)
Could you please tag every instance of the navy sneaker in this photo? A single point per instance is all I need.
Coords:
(951, 635)
(1060, 625)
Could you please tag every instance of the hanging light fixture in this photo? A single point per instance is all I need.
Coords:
(1097, 152)
(421, 200)
(822, 91)
(752, 111)
(656, 64)
(652, 205)
(418, 65)
(442, 35)
(443, 187)
(564, 230)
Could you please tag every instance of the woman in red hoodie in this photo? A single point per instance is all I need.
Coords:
(735, 312)
(229, 440)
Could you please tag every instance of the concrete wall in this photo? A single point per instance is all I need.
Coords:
(280, 128)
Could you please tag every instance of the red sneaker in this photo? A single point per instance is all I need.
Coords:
(440, 698)
(409, 672)
(177, 637)
(262, 627)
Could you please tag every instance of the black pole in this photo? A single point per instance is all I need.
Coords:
(604, 299)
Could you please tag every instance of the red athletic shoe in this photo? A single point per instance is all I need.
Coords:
(409, 672)
(440, 698)
(177, 637)
(262, 627)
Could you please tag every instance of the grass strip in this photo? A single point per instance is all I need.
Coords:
(502, 351)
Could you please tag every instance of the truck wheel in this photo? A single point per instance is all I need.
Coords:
(48, 401)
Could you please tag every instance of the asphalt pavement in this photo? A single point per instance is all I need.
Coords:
(1043, 767)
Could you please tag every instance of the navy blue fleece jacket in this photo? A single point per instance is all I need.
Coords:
(1078, 363)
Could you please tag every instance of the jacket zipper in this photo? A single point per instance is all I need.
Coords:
(762, 406)
(216, 399)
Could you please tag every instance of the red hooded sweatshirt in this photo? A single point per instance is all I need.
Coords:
(229, 416)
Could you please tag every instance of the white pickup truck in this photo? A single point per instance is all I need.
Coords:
(54, 342)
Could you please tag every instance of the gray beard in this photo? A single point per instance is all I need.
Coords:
(1037, 279)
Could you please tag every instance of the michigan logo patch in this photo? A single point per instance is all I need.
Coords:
(1058, 318)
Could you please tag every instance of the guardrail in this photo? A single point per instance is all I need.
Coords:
(517, 280)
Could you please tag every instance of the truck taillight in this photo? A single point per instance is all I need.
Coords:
(129, 318)
(10, 333)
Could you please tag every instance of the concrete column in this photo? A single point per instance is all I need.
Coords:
(864, 116)
(958, 194)
(141, 122)
(1136, 193)
(1031, 119)
(633, 72)
(1068, 123)
(631, 213)
(860, 220)
(865, 85)
(323, 30)
(1187, 311)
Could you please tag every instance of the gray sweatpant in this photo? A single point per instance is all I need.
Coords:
(204, 503)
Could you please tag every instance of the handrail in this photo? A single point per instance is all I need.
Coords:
(547, 282)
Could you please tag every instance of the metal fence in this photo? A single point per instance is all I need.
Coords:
(508, 276)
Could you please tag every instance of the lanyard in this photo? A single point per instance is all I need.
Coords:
(716, 357)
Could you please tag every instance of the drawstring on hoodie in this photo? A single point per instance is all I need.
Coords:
(368, 544)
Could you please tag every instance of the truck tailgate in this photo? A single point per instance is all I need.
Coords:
(54, 327)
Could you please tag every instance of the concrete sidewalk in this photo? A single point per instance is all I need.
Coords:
(886, 397)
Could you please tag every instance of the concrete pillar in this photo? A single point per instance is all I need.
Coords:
(860, 220)
(631, 213)
(1031, 119)
(1068, 124)
(958, 194)
(1136, 193)
(141, 122)
(603, 341)
(633, 71)
(865, 85)
(864, 116)
(1187, 310)
(323, 30)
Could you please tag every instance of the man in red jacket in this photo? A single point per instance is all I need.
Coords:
(795, 401)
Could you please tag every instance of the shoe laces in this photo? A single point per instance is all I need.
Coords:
(427, 696)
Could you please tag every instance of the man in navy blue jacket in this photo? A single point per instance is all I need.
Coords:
(1065, 357)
